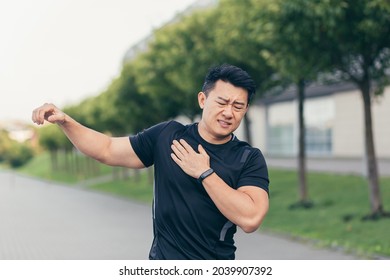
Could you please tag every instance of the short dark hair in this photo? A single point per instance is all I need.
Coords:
(232, 74)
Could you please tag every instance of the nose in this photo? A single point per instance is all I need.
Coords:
(228, 111)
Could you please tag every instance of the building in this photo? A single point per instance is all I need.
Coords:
(18, 130)
(334, 121)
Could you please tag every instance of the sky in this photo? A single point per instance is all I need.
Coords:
(62, 51)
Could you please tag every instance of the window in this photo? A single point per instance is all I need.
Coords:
(282, 132)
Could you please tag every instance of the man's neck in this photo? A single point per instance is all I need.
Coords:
(203, 132)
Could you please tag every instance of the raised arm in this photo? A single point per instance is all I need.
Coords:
(115, 151)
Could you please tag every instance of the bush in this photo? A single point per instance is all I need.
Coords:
(18, 154)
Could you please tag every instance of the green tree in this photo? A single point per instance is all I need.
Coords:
(19, 154)
(12, 152)
(173, 68)
(5, 144)
(135, 109)
(284, 29)
(151, 76)
(53, 140)
(188, 53)
(239, 42)
(356, 35)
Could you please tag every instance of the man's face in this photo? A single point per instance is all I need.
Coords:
(223, 110)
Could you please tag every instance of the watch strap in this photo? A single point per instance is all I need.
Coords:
(205, 174)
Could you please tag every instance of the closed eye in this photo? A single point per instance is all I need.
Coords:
(222, 103)
(236, 107)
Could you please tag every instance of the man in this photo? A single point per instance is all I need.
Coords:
(207, 182)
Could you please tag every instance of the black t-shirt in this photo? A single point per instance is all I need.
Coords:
(186, 222)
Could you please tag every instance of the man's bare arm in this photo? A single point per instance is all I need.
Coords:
(116, 151)
(246, 207)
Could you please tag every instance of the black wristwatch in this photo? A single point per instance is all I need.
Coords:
(205, 174)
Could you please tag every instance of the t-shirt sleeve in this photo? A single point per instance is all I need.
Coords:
(144, 142)
(255, 172)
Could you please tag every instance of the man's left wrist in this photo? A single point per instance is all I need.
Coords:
(205, 174)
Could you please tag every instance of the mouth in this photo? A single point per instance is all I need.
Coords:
(224, 124)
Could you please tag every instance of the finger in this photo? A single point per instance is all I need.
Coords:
(179, 147)
(56, 118)
(33, 116)
(201, 150)
(177, 150)
(186, 146)
(38, 115)
(175, 158)
(44, 113)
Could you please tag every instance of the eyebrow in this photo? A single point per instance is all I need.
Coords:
(227, 100)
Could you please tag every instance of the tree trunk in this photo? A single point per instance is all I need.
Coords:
(371, 161)
(303, 195)
(247, 129)
(54, 160)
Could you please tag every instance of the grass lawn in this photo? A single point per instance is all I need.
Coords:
(70, 168)
(335, 220)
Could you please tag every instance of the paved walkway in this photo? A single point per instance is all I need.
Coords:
(43, 221)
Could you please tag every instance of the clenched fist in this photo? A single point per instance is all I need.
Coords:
(48, 112)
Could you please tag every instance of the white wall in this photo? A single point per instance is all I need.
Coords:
(348, 139)
(348, 124)
(381, 118)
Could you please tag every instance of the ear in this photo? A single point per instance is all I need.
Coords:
(201, 99)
